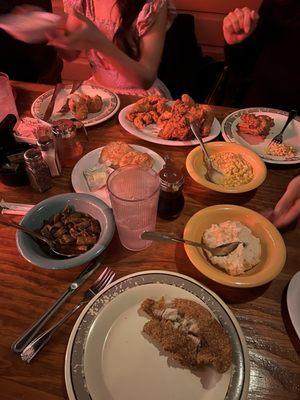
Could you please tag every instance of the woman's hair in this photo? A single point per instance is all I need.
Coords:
(126, 36)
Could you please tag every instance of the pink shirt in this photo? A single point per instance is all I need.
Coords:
(110, 78)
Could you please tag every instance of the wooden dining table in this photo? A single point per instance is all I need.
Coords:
(26, 290)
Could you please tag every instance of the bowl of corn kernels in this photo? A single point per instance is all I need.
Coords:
(242, 170)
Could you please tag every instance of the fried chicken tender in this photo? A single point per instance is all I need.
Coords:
(188, 332)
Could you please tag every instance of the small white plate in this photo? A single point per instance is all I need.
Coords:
(108, 358)
(291, 136)
(111, 104)
(150, 132)
(293, 301)
(90, 159)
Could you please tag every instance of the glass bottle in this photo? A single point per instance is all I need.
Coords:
(37, 170)
(171, 200)
(68, 146)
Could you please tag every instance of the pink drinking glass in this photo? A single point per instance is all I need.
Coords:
(7, 101)
(134, 193)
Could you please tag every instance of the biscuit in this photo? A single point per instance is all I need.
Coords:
(113, 152)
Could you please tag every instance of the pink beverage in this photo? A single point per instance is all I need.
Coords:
(7, 101)
(134, 192)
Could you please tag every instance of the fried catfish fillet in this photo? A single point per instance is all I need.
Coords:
(188, 332)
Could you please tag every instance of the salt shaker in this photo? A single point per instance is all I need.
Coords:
(171, 200)
(37, 170)
(68, 146)
(50, 156)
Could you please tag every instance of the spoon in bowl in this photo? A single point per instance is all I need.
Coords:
(212, 174)
(54, 247)
(220, 251)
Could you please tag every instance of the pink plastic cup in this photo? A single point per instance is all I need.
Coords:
(134, 193)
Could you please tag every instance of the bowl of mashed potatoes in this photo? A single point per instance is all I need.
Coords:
(256, 261)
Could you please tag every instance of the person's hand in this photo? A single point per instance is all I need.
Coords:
(287, 209)
(84, 35)
(239, 24)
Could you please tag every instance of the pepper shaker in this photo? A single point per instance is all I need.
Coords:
(37, 170)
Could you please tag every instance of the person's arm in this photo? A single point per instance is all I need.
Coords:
(142, 72)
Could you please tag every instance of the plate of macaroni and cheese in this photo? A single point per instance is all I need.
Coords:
(255, 128)
(242, 170)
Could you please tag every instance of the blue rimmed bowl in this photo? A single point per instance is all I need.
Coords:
(81, 202)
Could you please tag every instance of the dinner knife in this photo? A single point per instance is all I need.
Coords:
(66, 108)
(19, 345)
(50, 107)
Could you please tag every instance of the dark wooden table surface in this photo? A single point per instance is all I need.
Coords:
(27, 291)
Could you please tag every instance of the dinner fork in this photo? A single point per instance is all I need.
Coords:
(278, 138)
(212, 174)
(40, 341)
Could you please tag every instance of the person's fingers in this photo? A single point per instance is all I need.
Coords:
(240, 17)
(254, 15)
(290, 196)
(234, 22)
(247, 20)
(288, 216)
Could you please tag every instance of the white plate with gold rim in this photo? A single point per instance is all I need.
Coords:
(291, 135)
(108, 358)
(111, 104)
(150, 132)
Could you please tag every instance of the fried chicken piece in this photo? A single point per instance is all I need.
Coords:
(188, 332)
(256, 125)
(154, 115)
(78, 106)
(187, 100)
(208, 119)
(94, 104)
(139, 122)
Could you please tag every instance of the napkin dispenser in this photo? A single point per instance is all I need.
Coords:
(12, 167)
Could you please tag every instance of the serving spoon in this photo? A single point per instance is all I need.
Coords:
(212, 174)
(53, 246)
(220, 251)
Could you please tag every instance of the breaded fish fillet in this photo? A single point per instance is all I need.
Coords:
(189, 332)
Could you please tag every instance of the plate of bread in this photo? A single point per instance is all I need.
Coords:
(89, 104)
(162, 121)
(90, 173)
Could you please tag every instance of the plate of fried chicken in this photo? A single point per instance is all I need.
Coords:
(157, 335)
(159, 120)
(256, 127)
